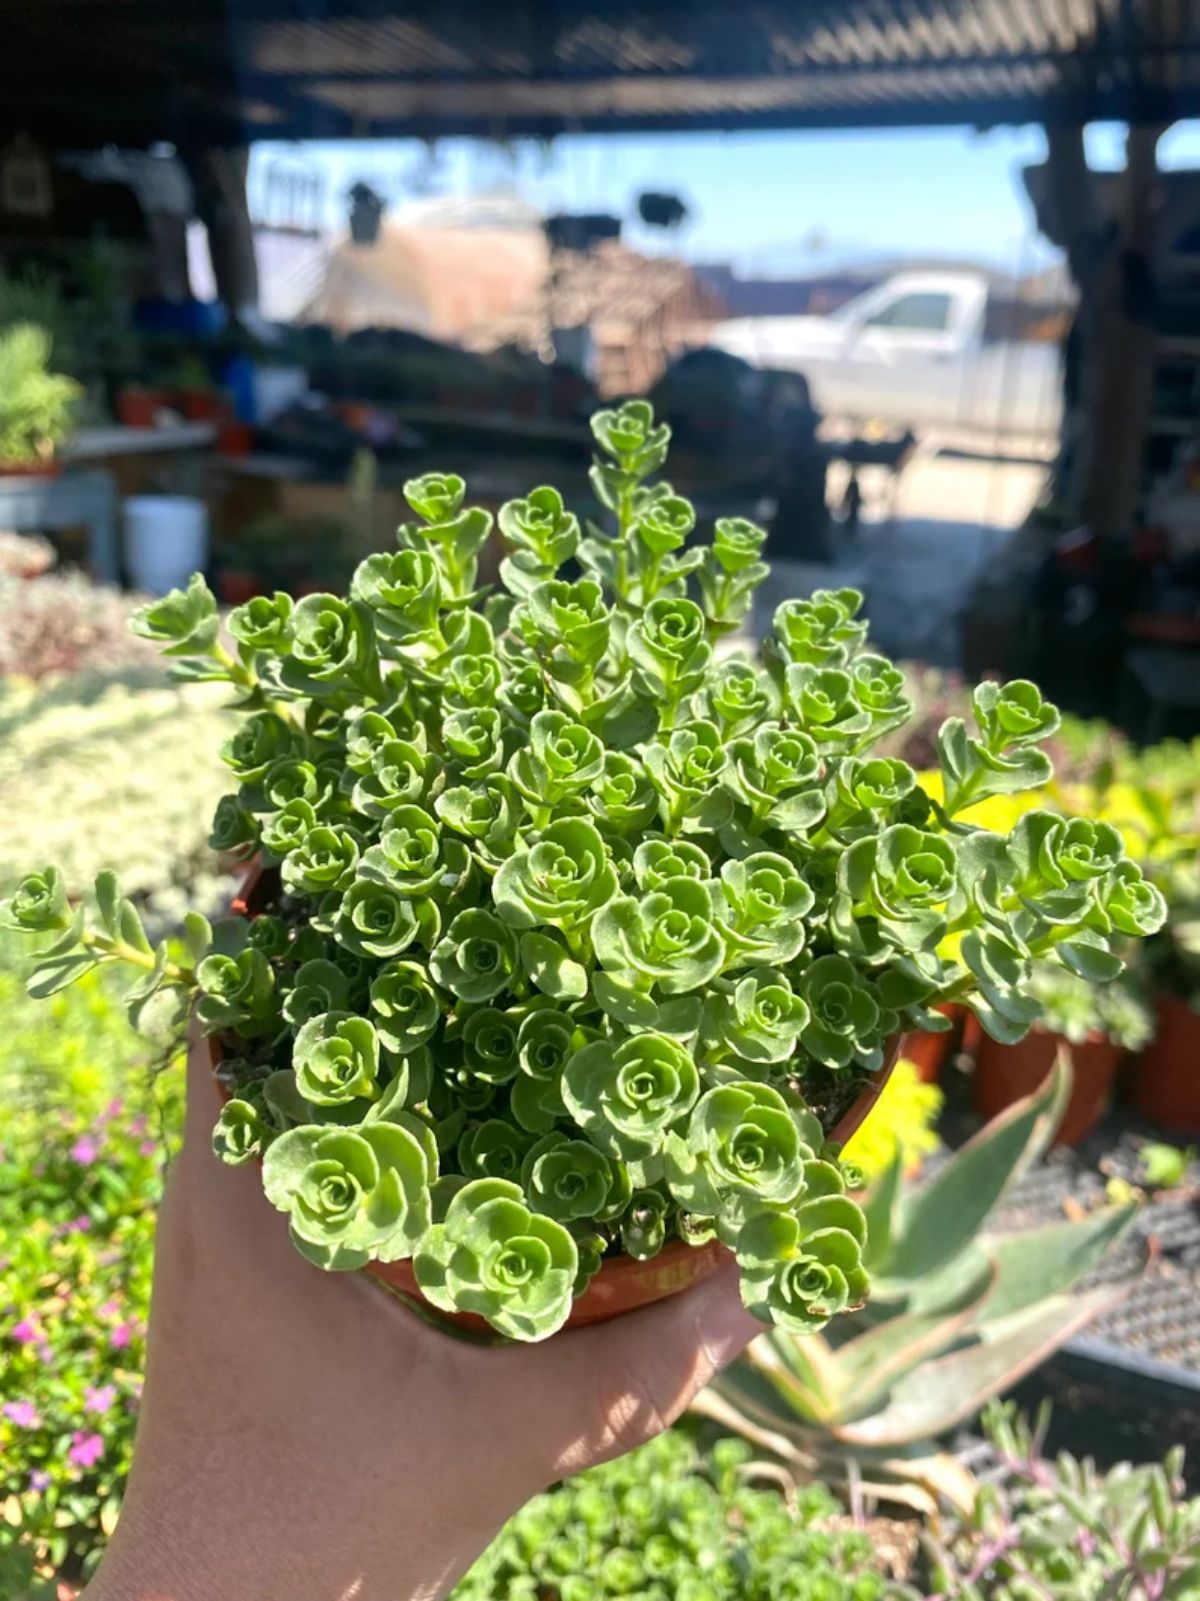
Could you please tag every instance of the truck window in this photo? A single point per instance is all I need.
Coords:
(928, 313)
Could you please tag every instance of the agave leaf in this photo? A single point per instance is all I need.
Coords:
(879, 1209)
(717, 1404)
(943, 1393)
(1048, 1261)
(940, 1218)
(792, 1389)
(871, 1364)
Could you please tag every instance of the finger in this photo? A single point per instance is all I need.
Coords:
(615, 1385)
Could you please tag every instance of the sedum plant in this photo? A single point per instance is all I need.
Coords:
(1059, 1527)
(575, 937)
(959, 1312)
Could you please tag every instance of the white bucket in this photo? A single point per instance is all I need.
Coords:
(166, 541)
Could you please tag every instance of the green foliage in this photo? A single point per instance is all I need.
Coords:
(665, 1524)
(557, 895)
(957, 1313)
(117, 770)
(1166, 1166)
(82, 1126)
(1061, 1528)
(1076, 1009)
(35, 404)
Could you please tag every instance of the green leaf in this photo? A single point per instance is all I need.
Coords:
(59, 971)
(551, 969)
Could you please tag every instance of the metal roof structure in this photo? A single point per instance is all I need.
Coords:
(74, 72)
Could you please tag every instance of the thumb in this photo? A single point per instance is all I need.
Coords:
(615, 1385)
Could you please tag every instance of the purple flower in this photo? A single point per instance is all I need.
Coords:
(138, 1126)
(25, 1332)
(45, 1354)
(86, 1449)
(23, 1413)
(100, 1400)
(80, 1225)
(85, 1150)
(39, 1480)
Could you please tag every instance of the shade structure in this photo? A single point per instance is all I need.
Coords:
(77, 72)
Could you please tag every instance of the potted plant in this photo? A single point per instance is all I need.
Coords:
(196, 396)
(1094, 1025)
(571, 951)
(1164, 1084)
(35, 403)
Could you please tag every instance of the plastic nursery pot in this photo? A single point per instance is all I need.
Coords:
(202, 405)
(623, 1283)
(1005, 1073)
(1164, 1085)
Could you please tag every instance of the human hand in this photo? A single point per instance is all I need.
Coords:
(305, 1437)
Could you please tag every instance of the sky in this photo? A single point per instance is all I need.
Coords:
(769, 203)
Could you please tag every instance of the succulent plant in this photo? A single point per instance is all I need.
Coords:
(547, 883)
(957, 1314)
(1059, 1527)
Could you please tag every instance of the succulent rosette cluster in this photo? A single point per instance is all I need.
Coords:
(580, 934)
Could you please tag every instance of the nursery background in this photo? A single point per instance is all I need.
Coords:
(917, 288)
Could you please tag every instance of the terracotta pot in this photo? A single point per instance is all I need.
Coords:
(202, 405)
(139, 408)
(927, 1051)
(31, 469)
(1005, 1073)
(236, 585)
(1164, 1085)
(623, 1284)
(235, 439)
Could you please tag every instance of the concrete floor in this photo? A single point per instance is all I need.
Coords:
(918, 550)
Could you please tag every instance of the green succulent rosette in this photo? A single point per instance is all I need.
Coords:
(336, 1059)
(621, 797)
(240, 1134)
(822, 631)
(686, 771)
(353, 1195)
(626, 1097)
(263, 624)
(902, 879)
(844, 1020)
(405, 1007)
(324, 860)
(560, 882)
(800, 1268)
(476, 959)
(493, 1256)
(742, 1143)
(375, 919)
(562, 760)
(318, 986)
(669, 937)
(756, 1017)
(396, 774)
(402, 591)
(737, 696)
(765, 903)
(566, 1179)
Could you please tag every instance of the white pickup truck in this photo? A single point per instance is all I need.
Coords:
(910, 351)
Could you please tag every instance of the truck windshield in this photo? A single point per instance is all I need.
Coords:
(928, 312)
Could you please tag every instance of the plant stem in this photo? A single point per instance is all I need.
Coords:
(119, 950)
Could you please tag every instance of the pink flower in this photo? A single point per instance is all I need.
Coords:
(45, 1354)
(80, 1225)
(100, 1400)
(86, 1449)
(85, 1150)
(148, 1147)
(23, 1413)
(39, 1480)
(108, 1309)
(121, 1336)
(25, 1332)
(113, 1109)
(138, 1126)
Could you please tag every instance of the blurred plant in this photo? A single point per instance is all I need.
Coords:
(901, 1126)
(1061, 1529)
(1165, 1166)
(83, 1131)
(957, 1314)
(25, 555)
(64, 623)
(35, 404)
(1078, 1010)
(666, 1524)
(119, 768)
(36, 297)
(289, 553)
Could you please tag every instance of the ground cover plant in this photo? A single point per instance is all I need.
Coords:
(574, 937)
